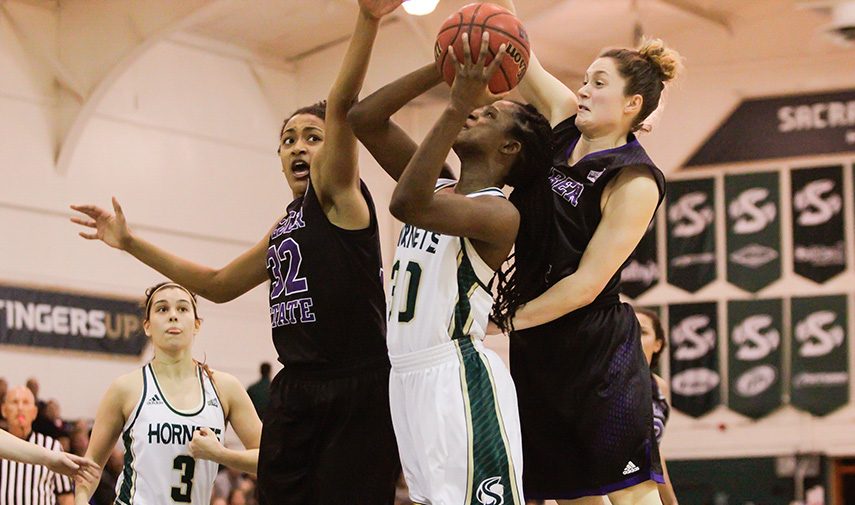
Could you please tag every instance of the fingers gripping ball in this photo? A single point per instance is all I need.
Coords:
(504, 28)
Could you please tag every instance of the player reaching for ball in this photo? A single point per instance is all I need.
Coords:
(576, 359)
(453, 403)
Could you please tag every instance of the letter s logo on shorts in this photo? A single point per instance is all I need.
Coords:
(686, 209)
(813, 208)
(688, 339)
(491, 491)
(816, 339)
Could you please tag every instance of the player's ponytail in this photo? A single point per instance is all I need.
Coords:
(524, 275)
(646, 71)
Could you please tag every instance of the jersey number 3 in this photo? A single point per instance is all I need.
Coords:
(187, 466)
(414, 273)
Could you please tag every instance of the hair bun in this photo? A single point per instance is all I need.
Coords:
(666, 60)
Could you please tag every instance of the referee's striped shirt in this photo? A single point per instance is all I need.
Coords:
(22, 484)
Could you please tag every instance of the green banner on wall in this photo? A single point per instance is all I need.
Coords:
(753, 229)
(691, 233)
(695, 377)
(755, 356)
(819, 249)
(820, 357)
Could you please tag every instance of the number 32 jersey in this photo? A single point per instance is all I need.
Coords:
(158, 467)
(439, 288)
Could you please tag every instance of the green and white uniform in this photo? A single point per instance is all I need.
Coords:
(453, 402)
(158, 467)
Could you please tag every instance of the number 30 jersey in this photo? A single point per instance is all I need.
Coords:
(439, 289)
(158, 467)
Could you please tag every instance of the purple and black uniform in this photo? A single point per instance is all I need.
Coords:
(661, 411)
(582, 380)
(327, 435)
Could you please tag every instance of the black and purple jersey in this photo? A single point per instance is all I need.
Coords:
(327, 306)
(577, 191)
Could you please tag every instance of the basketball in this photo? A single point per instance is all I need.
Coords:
(504, 28)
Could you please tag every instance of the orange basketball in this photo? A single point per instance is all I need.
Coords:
(504, 28)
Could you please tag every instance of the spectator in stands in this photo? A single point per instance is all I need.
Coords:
(259, 392)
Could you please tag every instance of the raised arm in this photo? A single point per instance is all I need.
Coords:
(371, 120)
(335, 174)
(216, 284)
(627, 212)
(414, 200)
(543, 90)
(244, 420)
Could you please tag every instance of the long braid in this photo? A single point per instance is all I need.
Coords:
(524, 274)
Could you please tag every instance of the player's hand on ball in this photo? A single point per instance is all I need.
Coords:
(112, 229)
(205, 445)
(379, 8)
(470, 89)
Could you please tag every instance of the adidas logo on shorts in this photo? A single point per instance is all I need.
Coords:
(630, 468)
(154, 400)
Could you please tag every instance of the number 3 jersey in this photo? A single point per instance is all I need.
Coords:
(158, 467)
(439, 288)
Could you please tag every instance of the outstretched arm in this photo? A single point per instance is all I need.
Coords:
(335, 174)
(218, 285)
(371, 120)
(543, 90)
(627, 212)
(414, 200)
(11, 447)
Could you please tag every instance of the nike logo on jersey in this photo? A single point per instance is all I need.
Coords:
(171, 433)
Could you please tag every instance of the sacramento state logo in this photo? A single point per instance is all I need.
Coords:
(491, 492)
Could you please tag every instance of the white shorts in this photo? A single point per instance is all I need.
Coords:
(454, 409)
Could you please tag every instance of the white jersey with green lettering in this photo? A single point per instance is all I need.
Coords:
(158, 467)
(439, 288)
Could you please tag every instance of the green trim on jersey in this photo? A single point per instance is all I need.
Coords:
(129, 475)
(467, 283)
(166, 402)
(491, 475)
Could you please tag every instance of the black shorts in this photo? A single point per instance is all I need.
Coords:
(328, 441)
(585, 400)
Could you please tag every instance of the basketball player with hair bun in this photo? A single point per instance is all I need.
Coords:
(329, 405)
(576, 359)
(453, 402)
(160, 409)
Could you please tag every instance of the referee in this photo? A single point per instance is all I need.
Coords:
(21, 483)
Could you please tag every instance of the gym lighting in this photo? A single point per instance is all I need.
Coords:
(420, 7)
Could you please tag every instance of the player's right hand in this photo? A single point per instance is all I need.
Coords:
(72, 465)
(112, 229)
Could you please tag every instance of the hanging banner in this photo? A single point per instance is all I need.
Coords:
(691, 233)
(820, 357)
(755, 356)
(819, 250)
(58, 320)
(695, 378)
(642, 271)
(753, 205)
(782, 127)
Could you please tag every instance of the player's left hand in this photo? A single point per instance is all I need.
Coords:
(379, 8)
(470, 89)
(205, 445)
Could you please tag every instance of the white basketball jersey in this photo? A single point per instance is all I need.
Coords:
(439, 288)
(158, 467)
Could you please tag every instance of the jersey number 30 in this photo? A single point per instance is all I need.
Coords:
(187, 466)
(414, 273)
